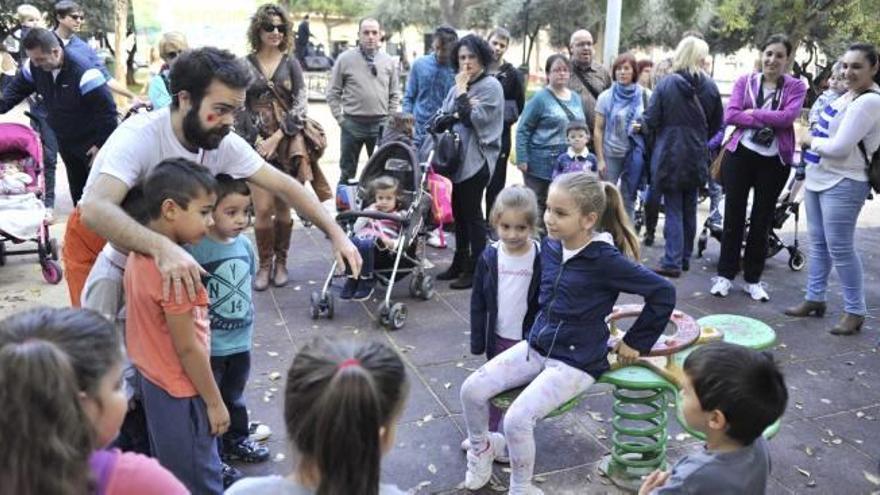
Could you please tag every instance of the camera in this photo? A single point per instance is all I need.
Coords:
(764, 137)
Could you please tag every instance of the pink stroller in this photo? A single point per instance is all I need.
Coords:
(22, 186)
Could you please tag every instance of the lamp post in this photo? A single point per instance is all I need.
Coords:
(612, 31)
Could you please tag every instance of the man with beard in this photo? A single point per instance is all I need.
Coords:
(208, 87)
(77, 100)
(364, 90)
(429, 81)
(589, 78)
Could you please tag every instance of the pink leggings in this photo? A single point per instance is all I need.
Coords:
(550, 384)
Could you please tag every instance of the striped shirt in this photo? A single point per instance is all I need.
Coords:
(834, 154)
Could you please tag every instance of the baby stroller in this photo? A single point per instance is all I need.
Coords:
(22, 186)
(397, 160)
(787, 205)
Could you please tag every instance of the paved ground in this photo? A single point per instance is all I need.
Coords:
(829, 441)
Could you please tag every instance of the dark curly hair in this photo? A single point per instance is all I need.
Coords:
(478, 46)
(264, 15)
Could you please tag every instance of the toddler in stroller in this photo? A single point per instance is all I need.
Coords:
(373, 234)
(390, 234)
(23, 218)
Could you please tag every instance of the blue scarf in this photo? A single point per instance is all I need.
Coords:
(629, 95)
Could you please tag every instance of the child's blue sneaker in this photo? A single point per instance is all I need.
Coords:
(364, 289)
(349, 288)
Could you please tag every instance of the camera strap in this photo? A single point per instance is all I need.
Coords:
(774, 102)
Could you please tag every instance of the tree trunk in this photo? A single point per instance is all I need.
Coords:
(119, 41)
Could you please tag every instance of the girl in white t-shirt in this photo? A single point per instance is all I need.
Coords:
(504, 300)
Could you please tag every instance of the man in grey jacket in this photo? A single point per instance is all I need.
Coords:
(364, 90)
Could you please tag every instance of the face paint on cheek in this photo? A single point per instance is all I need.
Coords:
(212, 117)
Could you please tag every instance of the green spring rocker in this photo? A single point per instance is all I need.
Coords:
(641, 401)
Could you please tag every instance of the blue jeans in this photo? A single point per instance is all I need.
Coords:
(50, 150)
(366, 246)
(831, 223)
(353, 136)
(715, 195)
(231, 374)
(680, 227)
(614, 173)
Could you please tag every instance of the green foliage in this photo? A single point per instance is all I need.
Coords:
(394, 15)
(341, 9)
(661, 22)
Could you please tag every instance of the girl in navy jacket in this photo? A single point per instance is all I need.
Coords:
(588, 259)
(504, 300)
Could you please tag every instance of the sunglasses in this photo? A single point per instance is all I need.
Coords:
(171, 55)
(77, 17)
(269, 27)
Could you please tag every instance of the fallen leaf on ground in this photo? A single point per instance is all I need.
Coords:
(274, 375)
(432, 468)
(279, 457)
(272, 353)
(803, 472)
(872, 478)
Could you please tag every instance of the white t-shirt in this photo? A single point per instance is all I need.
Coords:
(144, 140)
(514, 276)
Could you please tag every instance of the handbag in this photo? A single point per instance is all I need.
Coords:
(715, 167)
(448, 147)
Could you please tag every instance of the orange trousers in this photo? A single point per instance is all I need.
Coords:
(80, 250)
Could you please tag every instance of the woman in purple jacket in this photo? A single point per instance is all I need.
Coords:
(763, 106)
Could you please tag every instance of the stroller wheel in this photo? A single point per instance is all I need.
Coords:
(397, 316)
(329, 304)
(315, 305)
(797, 261)
(2, 253)
(702, 243)
(52, 272)
(422, 286)
(392, 318)
(53, 248)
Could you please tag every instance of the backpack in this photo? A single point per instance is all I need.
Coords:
(872, 163)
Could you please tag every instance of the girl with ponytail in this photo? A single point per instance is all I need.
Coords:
(589, 257)
(342, 401)
(61, 384)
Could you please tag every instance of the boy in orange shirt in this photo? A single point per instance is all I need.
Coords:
(169, 342)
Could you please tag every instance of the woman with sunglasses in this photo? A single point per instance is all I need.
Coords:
(273, 121)
(159, 87)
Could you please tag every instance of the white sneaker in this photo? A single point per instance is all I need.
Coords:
(499, 443)
(258, 432)
(527, 489)
(479, 467)
(757, 291)
(720, 286)
(436, 239)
